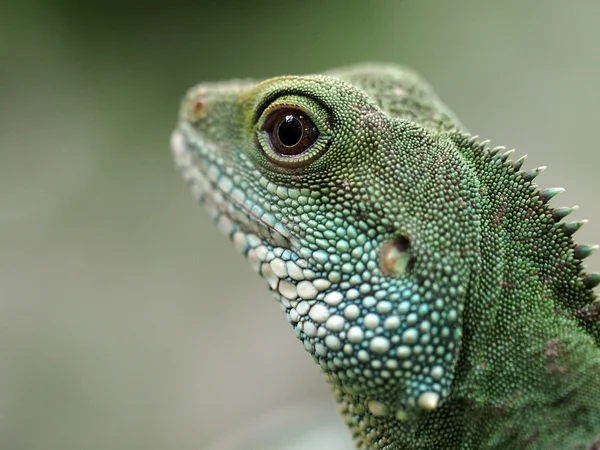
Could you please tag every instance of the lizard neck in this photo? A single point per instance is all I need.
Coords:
(517, 309)
(528, 302)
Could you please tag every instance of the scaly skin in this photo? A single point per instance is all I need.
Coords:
(424, 272)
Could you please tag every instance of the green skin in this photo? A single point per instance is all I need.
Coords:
(425, 272)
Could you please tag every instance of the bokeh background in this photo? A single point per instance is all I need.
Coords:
(126, 320)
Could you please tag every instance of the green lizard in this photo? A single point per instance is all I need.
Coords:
(425, 272)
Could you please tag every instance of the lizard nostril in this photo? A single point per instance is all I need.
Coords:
(395, 256)
(198, 107)
(194, 105)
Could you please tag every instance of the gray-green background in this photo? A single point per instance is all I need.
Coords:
(126, 320)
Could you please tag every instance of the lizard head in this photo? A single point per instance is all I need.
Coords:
(342, 204)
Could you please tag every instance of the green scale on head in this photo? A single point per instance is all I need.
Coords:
(405, 253)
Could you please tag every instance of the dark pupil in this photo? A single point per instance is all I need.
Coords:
(290, 131)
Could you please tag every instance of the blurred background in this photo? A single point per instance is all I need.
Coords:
(126, 320)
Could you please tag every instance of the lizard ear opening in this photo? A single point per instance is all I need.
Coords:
(395, 257)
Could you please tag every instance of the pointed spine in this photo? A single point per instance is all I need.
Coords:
(562, 212)
(570, 228)
(472, 140)
(482, 146)
(591, 280)
(582, 251)
(547, 194)
(529, 176)
(504, 156)
(494, 151)
(519, 162)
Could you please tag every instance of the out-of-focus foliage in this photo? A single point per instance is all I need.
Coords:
(126, 321)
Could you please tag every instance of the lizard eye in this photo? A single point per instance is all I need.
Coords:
(293, 131)
(290, 131)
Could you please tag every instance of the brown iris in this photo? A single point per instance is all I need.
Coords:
(290, 131)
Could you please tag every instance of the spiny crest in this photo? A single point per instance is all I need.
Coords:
(580, 251)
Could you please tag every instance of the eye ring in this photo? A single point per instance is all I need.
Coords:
(293, 131)
(290, 131)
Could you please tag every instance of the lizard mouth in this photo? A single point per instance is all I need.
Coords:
(213, 185)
